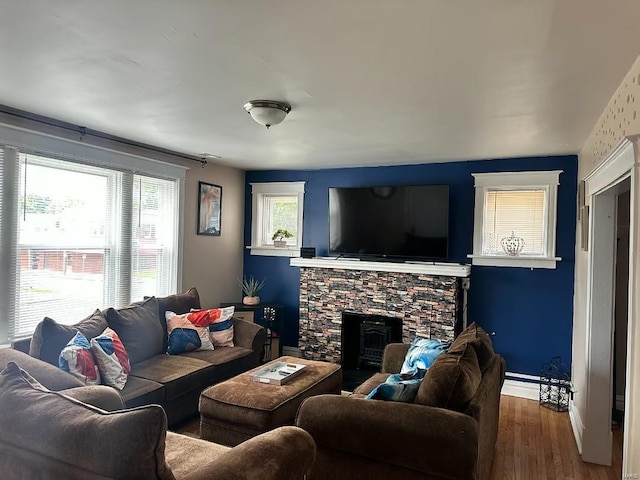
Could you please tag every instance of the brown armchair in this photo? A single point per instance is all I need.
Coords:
(375, 439)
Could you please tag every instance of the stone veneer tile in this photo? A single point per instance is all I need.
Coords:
(425, 303)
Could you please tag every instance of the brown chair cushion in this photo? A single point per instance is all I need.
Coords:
(50, 337)
(452, 381)
(178, 303)
(481, 342)
(138, 328)
(62, 430)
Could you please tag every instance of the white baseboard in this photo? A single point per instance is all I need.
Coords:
(290, 351)
(576, 425)
(516, 388)
(620, 402)
(511, 376)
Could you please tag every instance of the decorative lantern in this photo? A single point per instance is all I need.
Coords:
(555, 385)
(512, 245)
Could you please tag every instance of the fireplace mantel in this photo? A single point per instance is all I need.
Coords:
(427, 268)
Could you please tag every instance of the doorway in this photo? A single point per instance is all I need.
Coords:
(621, 305)
(608, 183)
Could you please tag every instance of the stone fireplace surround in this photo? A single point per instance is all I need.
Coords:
(427, 296)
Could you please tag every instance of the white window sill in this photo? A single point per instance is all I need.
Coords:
(270, 251)
(508, 261)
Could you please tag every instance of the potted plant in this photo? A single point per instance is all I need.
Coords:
(250, 288)
(279, 237)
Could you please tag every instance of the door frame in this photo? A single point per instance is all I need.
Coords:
(601, 189)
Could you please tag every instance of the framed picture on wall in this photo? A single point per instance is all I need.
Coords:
(209, 209)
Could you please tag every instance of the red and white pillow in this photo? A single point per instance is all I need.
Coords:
(191, 331)
(77, 359)
(112, 358)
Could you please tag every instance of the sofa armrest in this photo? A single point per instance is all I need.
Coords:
(101, 396)
(49, 376)
(437, 442)
(248, 335)
(286, 453)
(393, 357)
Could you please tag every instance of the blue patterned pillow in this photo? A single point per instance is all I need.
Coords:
(77, 359)
(421, 355)
(395, 389)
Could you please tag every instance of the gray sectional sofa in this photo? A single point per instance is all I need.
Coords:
(172, 381)
(53, 435)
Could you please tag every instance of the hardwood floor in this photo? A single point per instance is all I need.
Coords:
(534, 443)
(537, 443)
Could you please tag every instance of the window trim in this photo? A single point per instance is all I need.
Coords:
(547, 180)
(21, 139)
(258, 191)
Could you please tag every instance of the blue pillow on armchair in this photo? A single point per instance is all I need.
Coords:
(395, 389)
(403, 386)
(421, 355)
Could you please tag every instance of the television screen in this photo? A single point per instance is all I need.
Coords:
(404, 222)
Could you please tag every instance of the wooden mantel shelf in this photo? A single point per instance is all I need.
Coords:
(427, 268)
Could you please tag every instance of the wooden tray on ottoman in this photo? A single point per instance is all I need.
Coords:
(277, 373)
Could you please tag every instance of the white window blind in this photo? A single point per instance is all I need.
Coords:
(85, 237)
(9, 174)
(155, 206)
(514, 221)
(517, 212)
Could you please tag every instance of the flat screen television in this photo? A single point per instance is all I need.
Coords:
(396, 221)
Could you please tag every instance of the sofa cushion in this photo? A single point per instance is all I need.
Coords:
(221, 330)
(188, 332)
(50, 337)
(62, 430)
(140, 391)
(481, 342)
(112, 358)
(229, 361)
(178, 303)
(452, 381)
(396, 389)
(77, 359)
(177, 373)
(138, 328)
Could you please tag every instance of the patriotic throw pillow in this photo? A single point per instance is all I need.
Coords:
(77, 359)
(112, 358)
(221, 330)
(190, 331)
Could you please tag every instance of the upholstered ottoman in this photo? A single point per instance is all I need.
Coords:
(237, 409)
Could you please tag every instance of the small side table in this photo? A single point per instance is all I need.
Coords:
(268, 315)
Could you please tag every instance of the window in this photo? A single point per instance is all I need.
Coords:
(275, 206)
(515, 219)
(77, 236)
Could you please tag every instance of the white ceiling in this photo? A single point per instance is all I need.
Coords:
(371, 82)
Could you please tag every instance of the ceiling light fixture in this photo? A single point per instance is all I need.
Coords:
(267, 112)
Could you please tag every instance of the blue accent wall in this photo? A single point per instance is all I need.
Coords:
(530, 311)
